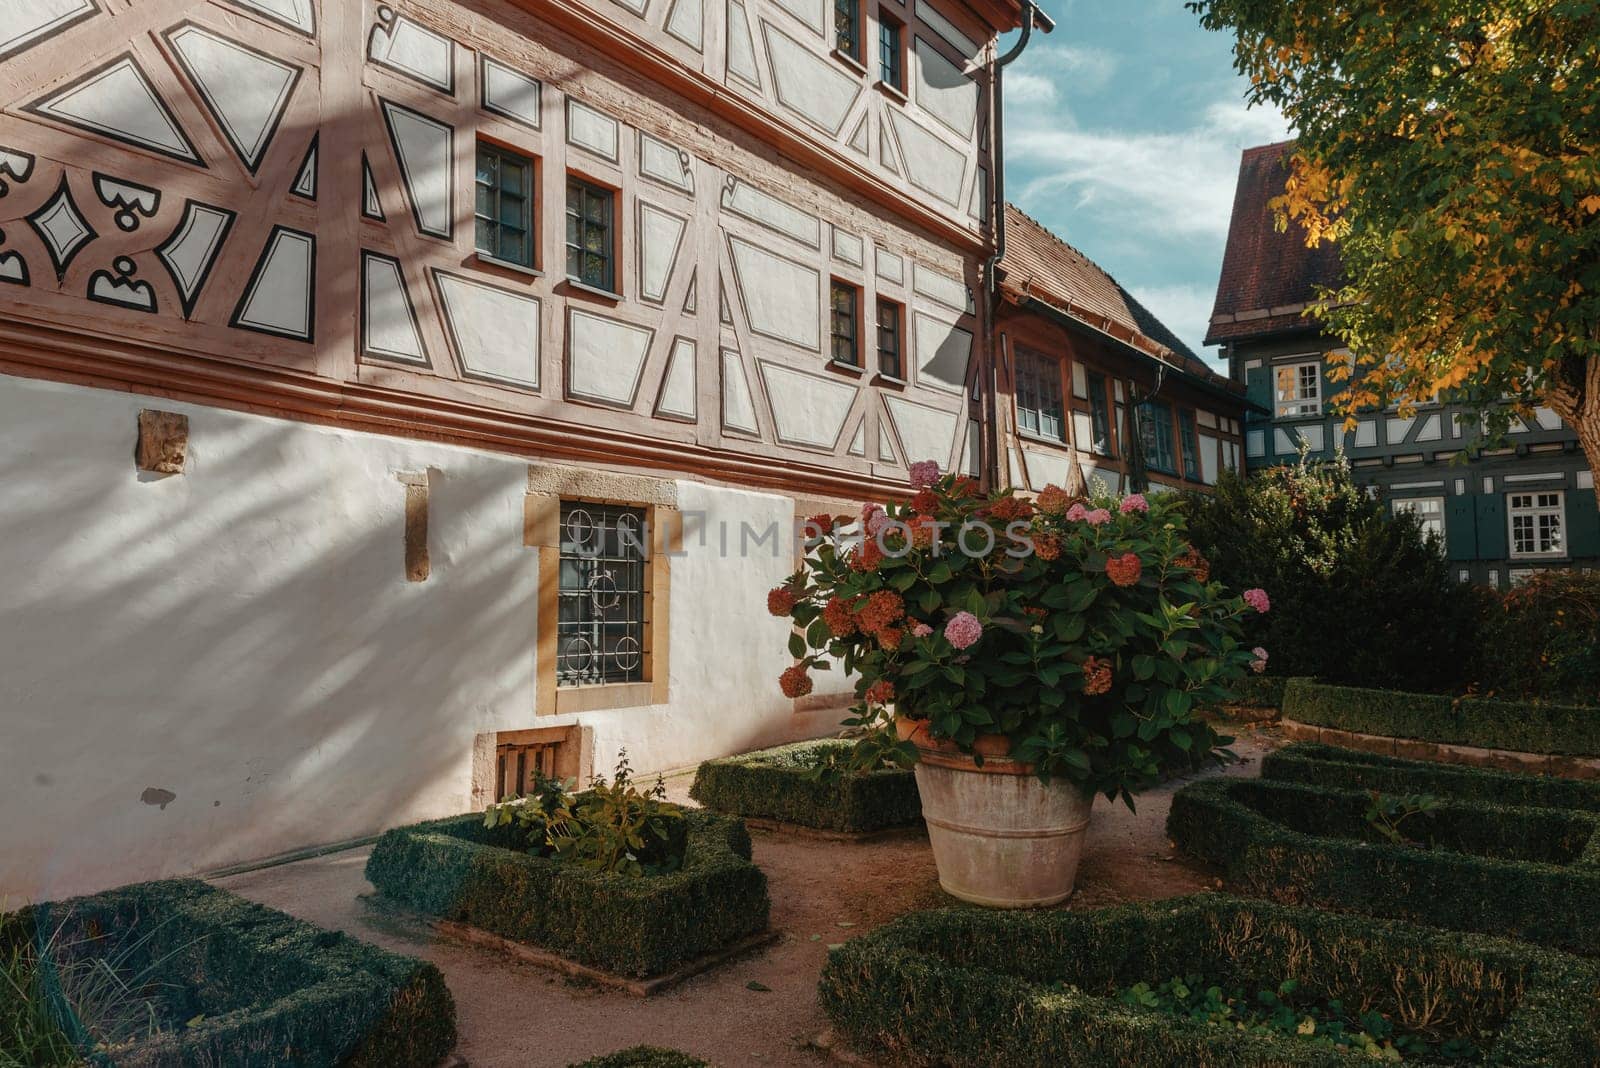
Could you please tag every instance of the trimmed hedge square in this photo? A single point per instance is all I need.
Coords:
(1519, 726)
(644, 1057)
(245, 985)
(772, 784)
(1314, 764)
(1259, 691)
(976, 987)
(458, 869)
(1526, 873)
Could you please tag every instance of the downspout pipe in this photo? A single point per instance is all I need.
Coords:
(997, 215)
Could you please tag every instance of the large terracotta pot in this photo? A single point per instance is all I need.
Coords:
(1000, 837)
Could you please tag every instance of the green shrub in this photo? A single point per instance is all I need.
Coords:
(1260, 691)
(776, 784)
(1525, 873)
(458, 869)
(1558, 730)
(1325, 765)
(1036, 989)
(181, 973)
(1541, 639)
(644, 1057)
(1329, 553)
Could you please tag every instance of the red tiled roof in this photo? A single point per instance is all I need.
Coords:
(1040, 265)
(1267, 277)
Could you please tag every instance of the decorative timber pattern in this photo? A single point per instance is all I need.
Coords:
(290, 184)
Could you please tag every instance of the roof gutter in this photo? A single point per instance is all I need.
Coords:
(1031, 16)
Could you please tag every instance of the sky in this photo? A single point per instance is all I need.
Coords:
(1123, 134)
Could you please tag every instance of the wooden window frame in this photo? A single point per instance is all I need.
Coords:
(1042, 382)
(542, 531)
(848, 48)
(533, 215)
(899, 312)
(589, 185)
(1536, 510)
(857, 300)
(1098, 386)
(1146, 416)
(896, 65)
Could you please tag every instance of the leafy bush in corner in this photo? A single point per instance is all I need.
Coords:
(1541, 639)
(1331, 554)
(1326, 765)
(974, 987)
(611, 827)
(777, 784)
(1525, 873)
(1557, 730)
(220, 980)
(458, 869)
(644, 1057)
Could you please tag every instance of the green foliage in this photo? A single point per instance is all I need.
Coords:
(1283, 1010)
(1558, 730)
(1325, 765)
(644, 1057)
(1525, 873)
(613, 827)
(458, 869)
(1449, 148)
(1260, 691)
(976, 987)
(1089, 645)
(1360, 596)
(1387, 814)
(180, 972)
(1541, 640)
(780, 784)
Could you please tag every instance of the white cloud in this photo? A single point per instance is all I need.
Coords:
(1045, 73)
(1159, 184)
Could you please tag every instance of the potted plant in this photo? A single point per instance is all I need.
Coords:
(1025, 655)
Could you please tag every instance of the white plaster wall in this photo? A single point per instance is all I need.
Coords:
(242, 636)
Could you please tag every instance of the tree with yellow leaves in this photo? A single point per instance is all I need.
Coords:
(1452, 150)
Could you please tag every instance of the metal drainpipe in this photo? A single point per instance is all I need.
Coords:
(998, 215)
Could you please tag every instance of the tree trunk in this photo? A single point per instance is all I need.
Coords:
(1576, 398)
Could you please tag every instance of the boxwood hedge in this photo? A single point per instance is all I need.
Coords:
(970, 986)
(1259, 691)
(644, 1057)
(1313, 764)
(1525, 727)
(457, 869)
(241, 984)
(1524, 873)
(772, 784)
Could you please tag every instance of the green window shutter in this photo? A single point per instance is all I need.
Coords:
(1583, 524)
(1460, 529)
(1493, 542)
(1258, 387)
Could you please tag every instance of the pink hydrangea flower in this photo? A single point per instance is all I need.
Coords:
(1077, 513)
(1257, 599)
(1134, 502)
(874, 519)
(924, 473)
(963, 630)
(1097, 517)
(921, 630)
(1259, 664)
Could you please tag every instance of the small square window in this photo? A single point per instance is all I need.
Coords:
(1298, 389)
(503, 210)
(1537, 521)
(890, 319)
(1428, 510)
(591, 235)
(845, 323)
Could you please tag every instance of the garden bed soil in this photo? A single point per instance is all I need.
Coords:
(823, 892)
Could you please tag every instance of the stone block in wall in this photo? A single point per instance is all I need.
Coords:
(163, 445)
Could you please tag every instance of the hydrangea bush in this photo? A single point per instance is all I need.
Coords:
(1087, 632)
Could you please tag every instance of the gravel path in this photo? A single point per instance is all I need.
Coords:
(518, 1016)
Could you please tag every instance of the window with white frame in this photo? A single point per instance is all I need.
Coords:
(1298, 388)
(1536, 524)
(1429, 510)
